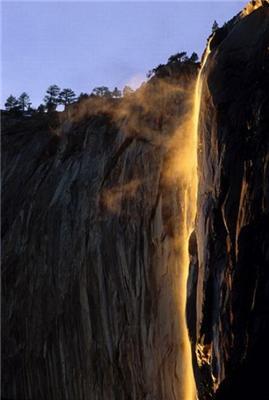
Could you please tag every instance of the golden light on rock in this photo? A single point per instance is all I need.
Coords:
(190, 209)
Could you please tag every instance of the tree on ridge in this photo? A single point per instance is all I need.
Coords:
(11, 103)
(51, 98)
(116, 93)
(24, 102)
(194, 57)
(102, 91)
(66, 97)
(215, 26)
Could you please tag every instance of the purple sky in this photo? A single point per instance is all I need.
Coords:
(87, 44)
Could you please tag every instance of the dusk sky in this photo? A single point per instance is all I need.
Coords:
(87, 44)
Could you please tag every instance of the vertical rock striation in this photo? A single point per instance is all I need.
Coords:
(93, 230)
(92, 271)
(232, 292)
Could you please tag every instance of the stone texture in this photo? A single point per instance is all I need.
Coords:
(91, 265)
(91, 225)
(232, 231)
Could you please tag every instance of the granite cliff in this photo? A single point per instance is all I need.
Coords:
(230, 261)
(91, 258)
(93, 207)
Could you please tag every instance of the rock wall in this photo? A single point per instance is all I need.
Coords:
(91, 241)
(91, 262)
(232, 272)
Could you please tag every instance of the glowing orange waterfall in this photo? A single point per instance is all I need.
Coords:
(190, 208)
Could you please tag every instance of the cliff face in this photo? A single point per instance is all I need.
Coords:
(91, 259)
(92, 229)
(232, 272)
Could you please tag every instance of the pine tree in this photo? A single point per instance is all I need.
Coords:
(215, 26)
(66, 96)
(102, 91)
(24, 102)
(116, 93)
(194, 57)
(41, 109)
(12, 104)
(52, 97)
(83, 96)
(178, 58)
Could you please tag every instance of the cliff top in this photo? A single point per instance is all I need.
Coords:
(252, 6)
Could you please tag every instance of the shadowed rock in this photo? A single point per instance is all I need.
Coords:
(233, 221)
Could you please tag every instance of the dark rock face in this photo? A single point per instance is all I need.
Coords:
(232, 232)
(91, 265)
(91, 262)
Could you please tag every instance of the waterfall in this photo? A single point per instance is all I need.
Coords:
(190, 208)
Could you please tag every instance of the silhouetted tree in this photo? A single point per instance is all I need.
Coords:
(52, 97)
(41, 109)
(83, 96)
(127, 91)
(116, 93)
(12, 104)
(66, 96)
(102, 91)
(160, 70)
(194, 57)
(215, 26)
(153, 71)
(178, 58)
(24, 102)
